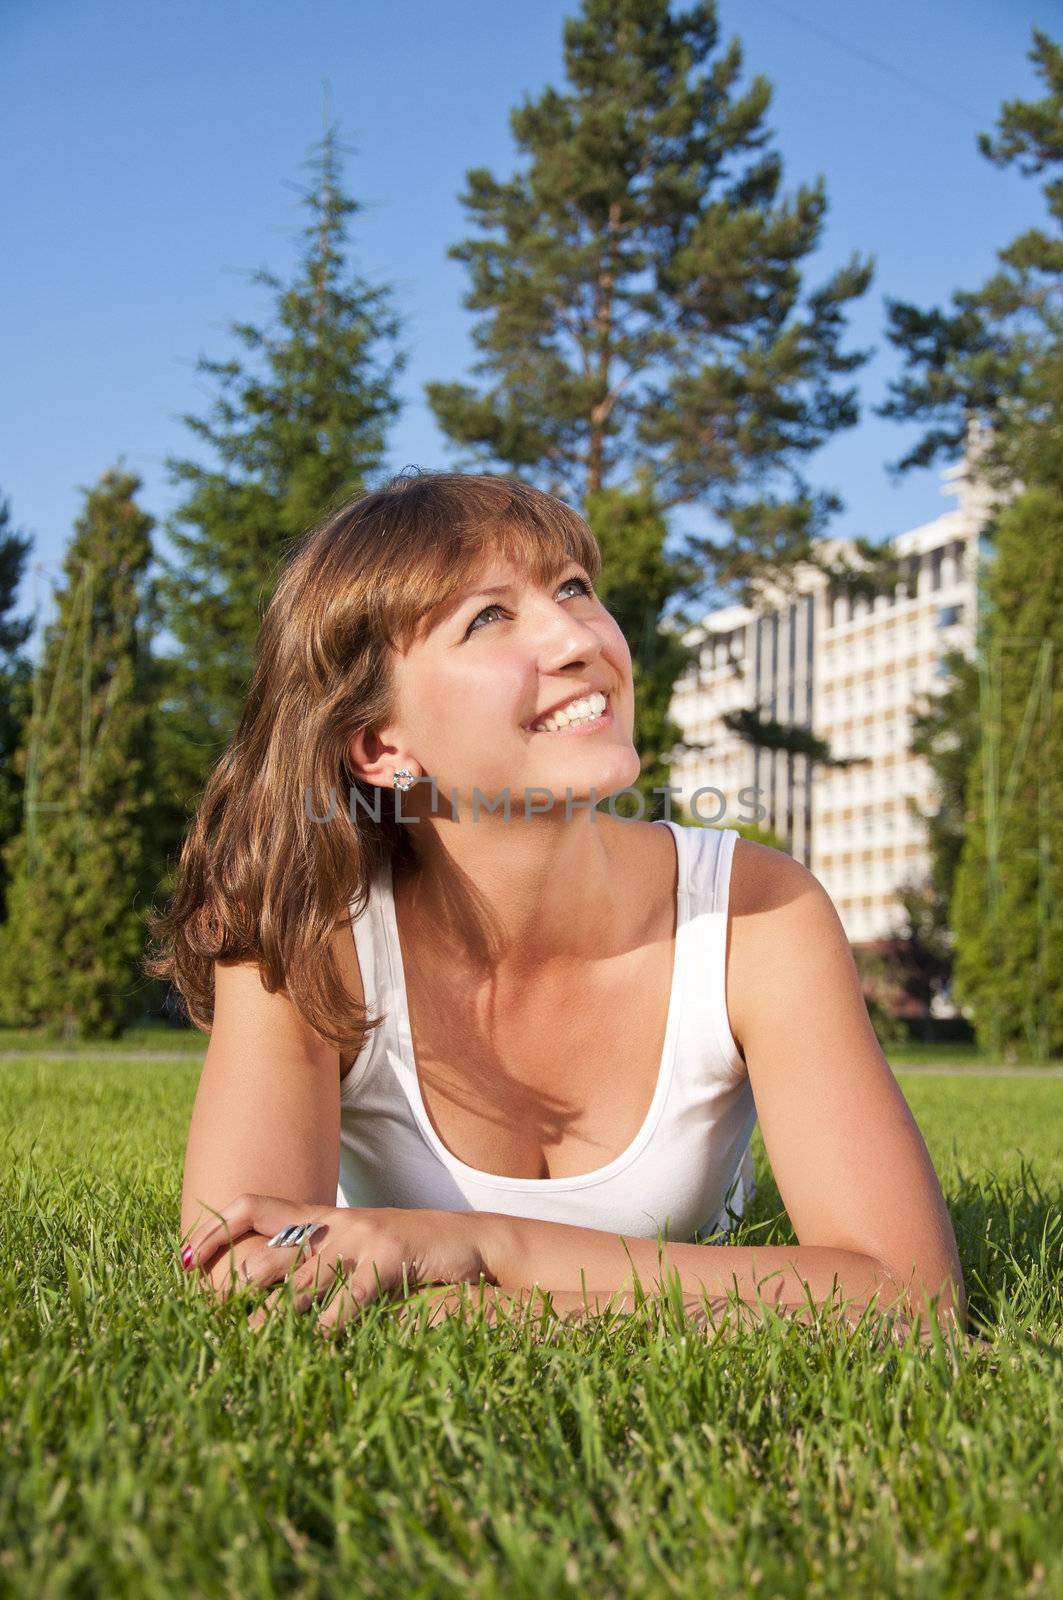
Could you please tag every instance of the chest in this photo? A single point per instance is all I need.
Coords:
(547, 1082)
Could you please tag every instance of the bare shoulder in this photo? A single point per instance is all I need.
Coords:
(764, 879)
(776, 905)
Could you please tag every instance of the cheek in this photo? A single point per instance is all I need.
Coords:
(455, 705)
(615, 649)
(617, 645)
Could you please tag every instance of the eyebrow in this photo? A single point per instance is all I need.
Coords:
(507, 588)
(462, 595)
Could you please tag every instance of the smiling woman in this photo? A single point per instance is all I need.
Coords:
(468, 1037)
(396, 570)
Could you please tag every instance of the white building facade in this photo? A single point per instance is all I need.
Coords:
(852, 673)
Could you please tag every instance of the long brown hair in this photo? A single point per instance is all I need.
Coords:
(258, 878)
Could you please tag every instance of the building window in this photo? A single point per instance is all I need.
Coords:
(936, 558)
(948, 615)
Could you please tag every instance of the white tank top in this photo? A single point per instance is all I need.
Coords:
(692, 1151)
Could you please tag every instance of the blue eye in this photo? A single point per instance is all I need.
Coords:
(584, 585)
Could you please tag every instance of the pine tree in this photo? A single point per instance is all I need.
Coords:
(16, 672)
(297, 426)
(993, 361)
(71, 948)
(636, 581)
(641, 303)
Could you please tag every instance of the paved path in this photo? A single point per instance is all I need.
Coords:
(945, 1070)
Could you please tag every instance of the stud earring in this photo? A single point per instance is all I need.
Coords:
(404, 779)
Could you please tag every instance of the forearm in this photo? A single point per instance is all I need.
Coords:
(720, 1318)
(521, 1253)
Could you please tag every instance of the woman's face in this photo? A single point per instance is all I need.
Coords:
(488, 666)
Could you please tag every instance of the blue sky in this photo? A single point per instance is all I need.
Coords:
(154, 154)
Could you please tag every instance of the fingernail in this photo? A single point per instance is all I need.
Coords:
(186, 1256)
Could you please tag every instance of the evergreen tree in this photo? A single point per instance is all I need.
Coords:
(1008, 899)
(994, 362)
(990, 370)
(641, 300)
(16, 671)
(946, 733)
(71, 949)
(636, 581)
(298, 426)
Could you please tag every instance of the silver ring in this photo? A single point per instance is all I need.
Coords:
(293, 1234)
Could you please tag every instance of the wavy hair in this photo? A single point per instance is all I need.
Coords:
(258, 878)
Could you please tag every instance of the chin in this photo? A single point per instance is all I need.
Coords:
(612, 776)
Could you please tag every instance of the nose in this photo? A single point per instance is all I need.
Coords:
(568, 641)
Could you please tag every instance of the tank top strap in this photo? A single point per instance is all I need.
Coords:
(370, 938)
(709, 854)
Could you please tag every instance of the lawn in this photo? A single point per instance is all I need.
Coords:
(158, 1038)
(151, 1445)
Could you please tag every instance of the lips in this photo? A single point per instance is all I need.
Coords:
(575, 730)
(561, 705)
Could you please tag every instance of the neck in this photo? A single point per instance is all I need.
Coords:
(517, 896)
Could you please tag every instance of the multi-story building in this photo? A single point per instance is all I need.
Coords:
(852, 673)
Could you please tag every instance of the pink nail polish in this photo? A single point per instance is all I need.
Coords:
(186, 1257)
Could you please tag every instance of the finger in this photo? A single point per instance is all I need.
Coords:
(225, 1228)
(308, 1283)
(365, 1283)
(248, 1213)
(255, 1269)
(225, 1271)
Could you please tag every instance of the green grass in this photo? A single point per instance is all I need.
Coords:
(158, 1037)
(915, 1053)
(150, 1445)
(189, 1042)
(155, 1036)
(958, 1054)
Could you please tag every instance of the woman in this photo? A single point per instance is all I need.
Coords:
(471, 1029)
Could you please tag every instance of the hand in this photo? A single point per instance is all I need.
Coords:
(362, 1242)
(228, 1270)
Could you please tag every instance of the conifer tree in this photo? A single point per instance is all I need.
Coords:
(992, 364)
(990, 371)
(636, 581)
(946, 731)
(641, 296)
(641, 300)
(16, 672)
(297, 424)
(70, 951)
(1008, 897)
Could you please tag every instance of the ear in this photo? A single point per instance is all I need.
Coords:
(372, 758)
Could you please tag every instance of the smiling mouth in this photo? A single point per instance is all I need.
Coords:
(584, 725)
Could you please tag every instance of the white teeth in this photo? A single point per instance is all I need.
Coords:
(584, 710)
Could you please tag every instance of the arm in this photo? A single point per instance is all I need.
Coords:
(523, 1254)
(849, 1160)
(266, 1113)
